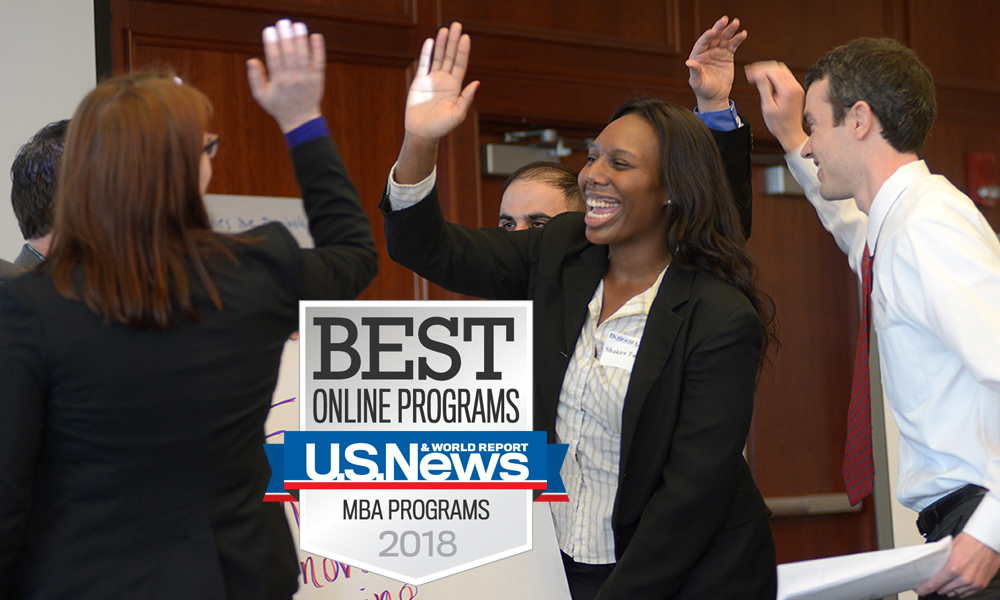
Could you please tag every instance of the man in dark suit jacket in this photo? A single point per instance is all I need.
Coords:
(9, 270)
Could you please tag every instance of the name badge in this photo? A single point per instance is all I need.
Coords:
(619, 350)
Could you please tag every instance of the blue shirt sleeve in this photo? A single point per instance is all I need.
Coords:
(721, 120)
(311, 130)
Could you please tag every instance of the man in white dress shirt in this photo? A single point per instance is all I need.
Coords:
(935, 302)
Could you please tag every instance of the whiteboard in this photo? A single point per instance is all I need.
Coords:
(229, 213)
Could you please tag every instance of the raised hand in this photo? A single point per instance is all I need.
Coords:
(291, 86)
(710, 64)
(437, 103)
(781, 101)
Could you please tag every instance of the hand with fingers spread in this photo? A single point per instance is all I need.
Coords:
(437, 103)
(291, 86)
(781, 101)
(711, 64)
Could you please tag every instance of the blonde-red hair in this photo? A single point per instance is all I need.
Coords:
(129, 212)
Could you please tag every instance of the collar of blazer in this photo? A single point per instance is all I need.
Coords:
(659, 335)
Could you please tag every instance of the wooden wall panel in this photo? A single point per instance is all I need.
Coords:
(582, 104)
(967, 82)
(400, 11)
(575, 60)
(958, 60)
(820, 536)
(951, 139)
(809, 384)
(798, 33)
(388, 42)
(627, 26)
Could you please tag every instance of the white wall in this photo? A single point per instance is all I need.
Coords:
(47, 64)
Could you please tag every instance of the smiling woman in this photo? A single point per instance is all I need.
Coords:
(648, 335)
(697, 220)
(623, 188)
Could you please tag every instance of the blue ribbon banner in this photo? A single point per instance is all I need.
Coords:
(399, 460)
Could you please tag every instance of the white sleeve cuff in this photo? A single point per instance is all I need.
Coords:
(402, 196)
(985, 522)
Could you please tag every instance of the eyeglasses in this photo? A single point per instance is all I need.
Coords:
(212, 148)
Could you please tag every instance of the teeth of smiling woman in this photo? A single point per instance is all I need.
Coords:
(600, 203)
(599, 208)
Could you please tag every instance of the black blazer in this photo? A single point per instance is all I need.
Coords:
(9, 270)
(132, 462)
(688, 520)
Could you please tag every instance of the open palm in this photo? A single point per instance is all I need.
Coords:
(291, 85)
(711, 60)
(437, 103)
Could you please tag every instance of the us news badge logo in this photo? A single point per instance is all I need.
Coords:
(416, 458)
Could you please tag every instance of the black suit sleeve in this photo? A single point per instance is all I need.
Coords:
(489, 263)
(735, 146)
(9, 270)
(344, 260)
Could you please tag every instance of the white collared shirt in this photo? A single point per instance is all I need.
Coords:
(936, 312)
(589, 421)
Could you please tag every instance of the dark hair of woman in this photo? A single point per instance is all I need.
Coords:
(129, 212)
(704, 232)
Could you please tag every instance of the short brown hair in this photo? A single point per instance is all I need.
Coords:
(890, 78)
(129, 212)
(33, 177)
(555, 174)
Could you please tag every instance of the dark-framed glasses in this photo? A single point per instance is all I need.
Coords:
(212, 148)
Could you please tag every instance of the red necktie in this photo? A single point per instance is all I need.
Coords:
(859, 470)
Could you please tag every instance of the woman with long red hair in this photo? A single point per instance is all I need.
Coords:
(137, 364)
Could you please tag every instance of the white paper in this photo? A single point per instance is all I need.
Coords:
(863, 576)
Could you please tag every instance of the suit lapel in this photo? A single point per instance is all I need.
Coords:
(659, 335)
(563, 319)
(580, 279)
